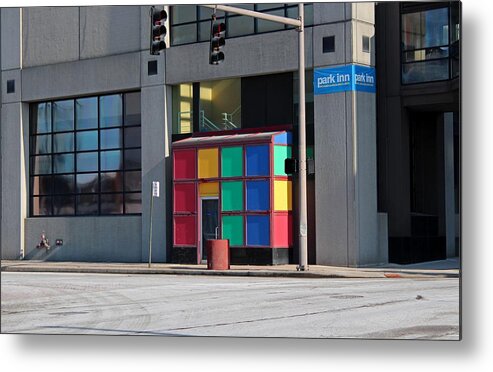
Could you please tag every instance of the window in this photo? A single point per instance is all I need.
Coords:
(191, 24)
(230, 104)
(430, 44)
(218, 103)
(328, 44)
(86, 156)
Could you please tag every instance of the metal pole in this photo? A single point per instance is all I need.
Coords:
(303, 265)
(150, 227)
(251, 13)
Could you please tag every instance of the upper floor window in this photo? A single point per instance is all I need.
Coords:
(85, 156)
(191, 23)
(430, 43)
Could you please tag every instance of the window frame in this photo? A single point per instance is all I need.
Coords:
(74, 193)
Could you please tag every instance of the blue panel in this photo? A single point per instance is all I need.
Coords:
(257, 160)
(258, 195)
(344, 78)
(285, 138)
(258, 230)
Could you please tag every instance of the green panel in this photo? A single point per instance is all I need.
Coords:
(232, 227)
(232, 161)
(280, 154)
(232, 196)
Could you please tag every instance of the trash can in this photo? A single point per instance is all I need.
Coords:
(218, 254)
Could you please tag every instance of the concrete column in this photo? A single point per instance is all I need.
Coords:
(155, 152)
(15, 121)
(14, 118)
(448, 150)
(365, 174)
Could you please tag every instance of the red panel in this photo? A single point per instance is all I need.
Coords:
(283, 230)
(184, 230)
(184, 164)
(184, 197)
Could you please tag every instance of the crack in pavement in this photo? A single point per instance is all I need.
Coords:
(290, 316)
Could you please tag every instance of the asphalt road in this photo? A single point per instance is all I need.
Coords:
(167, 305)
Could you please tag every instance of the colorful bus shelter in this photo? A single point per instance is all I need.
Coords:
(233, 187)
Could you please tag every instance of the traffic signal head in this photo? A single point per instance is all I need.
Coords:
(218, 31)
(290, 166)
(158, 30)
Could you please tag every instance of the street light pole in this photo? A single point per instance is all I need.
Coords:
(299, 23)
(303, 225)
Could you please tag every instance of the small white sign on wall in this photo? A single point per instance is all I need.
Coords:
(155, 189)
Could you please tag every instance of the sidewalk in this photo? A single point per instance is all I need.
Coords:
(437, 269)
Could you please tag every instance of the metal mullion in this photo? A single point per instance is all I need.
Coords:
(52, 211)
(99, 156)
(426, 60)
(124, 101)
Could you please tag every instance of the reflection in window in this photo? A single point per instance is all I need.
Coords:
(430, 44)
(87, 204)
(63, 115)
(42, 185)
(63, 163)
(41, 144)
(112, 182)
(86, 113)
(132, 109)
(112, 204)
(42, 117)
(63, 142)
(63, 205)
(63, 184)
(87, 183)
(110, 111)
(87, 141)
(77, 164)
(87, 162)
(111, 160)
(111, 139)
(41, 206)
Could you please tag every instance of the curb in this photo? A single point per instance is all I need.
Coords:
(239, 273)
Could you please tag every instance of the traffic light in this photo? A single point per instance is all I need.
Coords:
(290, 166)
(218, 32)
(158, 30)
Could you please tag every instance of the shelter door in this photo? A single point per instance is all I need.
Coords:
(209, 222)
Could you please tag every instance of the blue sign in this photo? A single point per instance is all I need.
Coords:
(344, 78)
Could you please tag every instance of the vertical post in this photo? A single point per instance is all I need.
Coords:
(303, 225)
(150, 224)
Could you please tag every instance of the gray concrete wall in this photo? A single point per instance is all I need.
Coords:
(49, 35)
(250, 55)
(113, 73)
(10, 33)
(154, 154)
(14, 187)
(109, 239)
(331, 167)
(365, 125)
(106, 30)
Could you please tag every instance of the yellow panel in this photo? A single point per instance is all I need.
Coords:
(208, 163)
(209, 189)
(282, 196)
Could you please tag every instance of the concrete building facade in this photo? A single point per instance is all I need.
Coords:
(55, 57)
